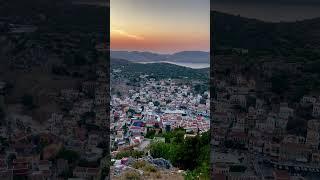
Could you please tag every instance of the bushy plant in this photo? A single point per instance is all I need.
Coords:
(132, 175)
(129, 153)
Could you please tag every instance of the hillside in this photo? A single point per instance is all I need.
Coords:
(58, 55)
(284, 54)
(184, 56)
(301, 38)
(158, 70)
(55, 15)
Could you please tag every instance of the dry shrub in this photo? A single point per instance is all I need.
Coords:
(132, 175)
(139, 164)
(150, 168)
(158, 175)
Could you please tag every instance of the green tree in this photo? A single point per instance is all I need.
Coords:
(2, 114)
(156, 103)
(27, 101)
(150, 134)
(192, 154)
(280, 83)
(130, 153)
(164, 150)
(69, 155)
(197, 88)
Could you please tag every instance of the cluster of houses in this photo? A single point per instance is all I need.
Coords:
(62, 133)
(32, 149)
(158, 106)
(263, 136)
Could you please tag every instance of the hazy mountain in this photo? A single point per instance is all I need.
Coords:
(184, 56)
(190, 56)
(137, 56)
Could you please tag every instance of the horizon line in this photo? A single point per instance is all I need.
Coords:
(162, 53)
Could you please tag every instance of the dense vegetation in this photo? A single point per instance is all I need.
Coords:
(298, 39)
(129, 153)
(57, 15)
(190, 153)
(158, 70)
(69, 155)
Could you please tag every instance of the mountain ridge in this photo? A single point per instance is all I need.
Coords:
(183, 56)
(298, 38)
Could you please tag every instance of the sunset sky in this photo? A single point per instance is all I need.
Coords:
(163, 26)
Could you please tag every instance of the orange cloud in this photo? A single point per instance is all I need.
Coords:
(126, 34)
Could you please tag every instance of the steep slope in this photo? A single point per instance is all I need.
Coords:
(295, 38)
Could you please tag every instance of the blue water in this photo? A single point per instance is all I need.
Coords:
(185, 64)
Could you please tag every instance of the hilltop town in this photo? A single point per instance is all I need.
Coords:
(141, 115)
(53, 93)
(265, 91)
(258, 132)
